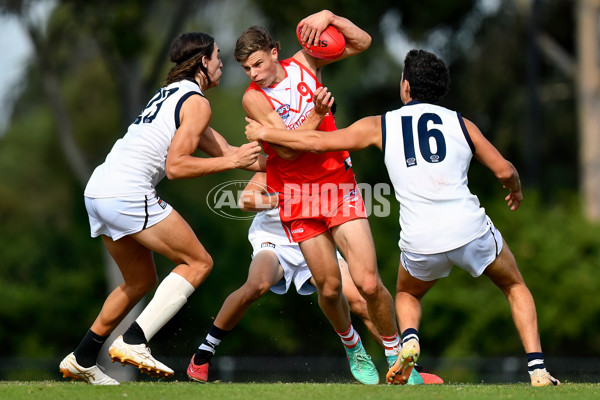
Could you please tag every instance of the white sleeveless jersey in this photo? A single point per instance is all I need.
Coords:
(427, 152)
(136, 162)
(266, 227)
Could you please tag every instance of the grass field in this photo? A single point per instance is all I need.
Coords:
(51, 390)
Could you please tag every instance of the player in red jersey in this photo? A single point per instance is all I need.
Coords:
(321, 206)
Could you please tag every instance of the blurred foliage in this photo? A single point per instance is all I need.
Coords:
(52, 282)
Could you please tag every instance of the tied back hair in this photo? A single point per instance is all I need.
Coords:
(186, 52)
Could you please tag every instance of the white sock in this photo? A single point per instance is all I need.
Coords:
(170, 296)
(391, 344)
(350, 338)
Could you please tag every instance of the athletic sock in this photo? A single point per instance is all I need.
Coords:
(349, 338)
(134, 335)
(391, 344)
(535, 361)
(87, 351)
(170, 296)
(209, 346)
(408, 334)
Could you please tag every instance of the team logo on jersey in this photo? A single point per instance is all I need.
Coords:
(350, 194)
(267, 244)
(347, 163)
(284, 111)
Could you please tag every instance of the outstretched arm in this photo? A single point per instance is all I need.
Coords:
(503, 169)
(361, 134)
(215, 145)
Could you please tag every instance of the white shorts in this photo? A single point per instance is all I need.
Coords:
(473, 257)
(118, 217)
(294, 267)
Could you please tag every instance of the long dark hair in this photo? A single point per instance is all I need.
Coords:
(187, 51)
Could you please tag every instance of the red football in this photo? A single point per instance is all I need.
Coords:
(331, 44)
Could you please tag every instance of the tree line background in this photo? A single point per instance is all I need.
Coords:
(517, 72)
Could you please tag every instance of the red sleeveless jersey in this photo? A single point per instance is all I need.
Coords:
(292, 98)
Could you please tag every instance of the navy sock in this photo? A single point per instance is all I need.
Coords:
(209, 346)
(535, 361)
(134, 335)
(87, 351)
(408, 334)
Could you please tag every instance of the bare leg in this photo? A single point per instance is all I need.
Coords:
(409, 292)
(319, 253)
(358, 305)
(506, 275)
(175, 239)
(139, 273)
(264, 272)
(356, 244)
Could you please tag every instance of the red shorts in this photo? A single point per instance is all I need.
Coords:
(307, 215)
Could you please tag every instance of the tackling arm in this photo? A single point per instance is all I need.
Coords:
(181, 163)
(361, 134)
(215, 145)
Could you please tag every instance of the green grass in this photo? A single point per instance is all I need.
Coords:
(50, 390)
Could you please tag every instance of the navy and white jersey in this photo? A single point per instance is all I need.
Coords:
(137, 161)
(427, 152)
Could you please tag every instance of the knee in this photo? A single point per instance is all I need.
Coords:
(253, 291)
(141, 287)
(370, 288)
(330, 291)
(202, 267)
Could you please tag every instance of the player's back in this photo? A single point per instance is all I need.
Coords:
(427, 153)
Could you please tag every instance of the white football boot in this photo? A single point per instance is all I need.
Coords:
(70, 368)
(138, 355)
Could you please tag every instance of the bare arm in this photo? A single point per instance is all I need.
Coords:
(258, 108)
(180, 164)
(361, 134)
(215, 145)
(256, 197)
(357, 40)
(503, 169)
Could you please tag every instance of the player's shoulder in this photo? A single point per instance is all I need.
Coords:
(195, 99)
(253, 94)
(253, 87)
(304, 61)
